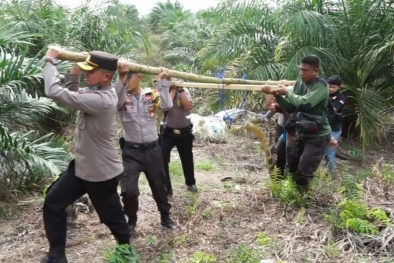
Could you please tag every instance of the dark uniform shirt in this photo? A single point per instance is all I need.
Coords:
(338, 102)
(313, 96)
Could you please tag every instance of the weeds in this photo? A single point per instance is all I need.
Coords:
(246, 254)
(286, 190)
(122, 254)
(175, 169)
(352, 214)
(202, 257)
(204, 166)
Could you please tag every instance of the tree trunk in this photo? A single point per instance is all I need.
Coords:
(78, 57)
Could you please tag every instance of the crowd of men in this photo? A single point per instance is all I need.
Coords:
(97, 169)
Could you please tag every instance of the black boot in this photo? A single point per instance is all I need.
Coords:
(50, 259)
(192, 188)
(132, 223)
(55, 255)
(167, 222)
(302, 183)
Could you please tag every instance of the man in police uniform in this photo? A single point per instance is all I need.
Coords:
(141, 151)
(97, 164)
(335, 112)
(177, 131)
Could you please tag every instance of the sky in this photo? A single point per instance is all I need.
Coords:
(144, 6)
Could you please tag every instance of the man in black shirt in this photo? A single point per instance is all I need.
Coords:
(338, 102)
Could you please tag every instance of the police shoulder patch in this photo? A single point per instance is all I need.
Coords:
(156, 95)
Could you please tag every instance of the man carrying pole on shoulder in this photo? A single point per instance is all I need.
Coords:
(141, 151)
(97, 164)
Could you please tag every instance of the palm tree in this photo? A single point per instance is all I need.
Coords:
(164, 15)
(362, 58)
(26, 156)
(352, 38)
(30, 151)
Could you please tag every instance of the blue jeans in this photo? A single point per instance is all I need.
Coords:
(331, 152)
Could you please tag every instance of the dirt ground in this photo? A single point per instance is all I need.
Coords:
(233, 218)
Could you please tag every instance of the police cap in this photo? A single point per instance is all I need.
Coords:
(99, 59)
(131, 72)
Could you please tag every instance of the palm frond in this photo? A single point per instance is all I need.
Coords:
(31, 152)
(18, 71)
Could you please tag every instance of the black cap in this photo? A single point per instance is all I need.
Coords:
(99, 59)
(131, 72)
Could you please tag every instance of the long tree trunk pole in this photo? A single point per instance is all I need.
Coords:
(225, 86)
(78, 57)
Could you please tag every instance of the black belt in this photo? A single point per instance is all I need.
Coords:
(142, 146)
(187, 129)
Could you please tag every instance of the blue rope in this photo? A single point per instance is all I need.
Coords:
(227, 118)
(244, 93)
(221, 91)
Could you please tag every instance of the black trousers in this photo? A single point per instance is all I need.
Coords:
(280, 150)
(146, 158)
(184, 145)
(65, 191)
(304, 157)
(278, 132)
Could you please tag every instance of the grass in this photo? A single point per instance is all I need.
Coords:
(205, 166)
(223, 225)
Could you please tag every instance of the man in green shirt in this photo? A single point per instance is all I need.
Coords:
(308, 103)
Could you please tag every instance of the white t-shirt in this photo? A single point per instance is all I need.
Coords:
(281, 119)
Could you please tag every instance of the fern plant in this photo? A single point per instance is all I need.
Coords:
(352, 214)
(122, 254)
(351, 188)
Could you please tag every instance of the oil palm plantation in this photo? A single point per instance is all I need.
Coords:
(27, 156)
(33, 127)
(353, 38)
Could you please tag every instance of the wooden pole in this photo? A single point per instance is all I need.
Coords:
(225, 86)
(78, 57)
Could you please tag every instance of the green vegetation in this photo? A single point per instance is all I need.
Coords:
(353, 38)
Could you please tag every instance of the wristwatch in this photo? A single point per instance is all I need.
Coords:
(53, 61)
(181, 90)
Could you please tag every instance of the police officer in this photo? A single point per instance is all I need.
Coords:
(177, 131)
(97, 164)
(140, 144)
(335, 112)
